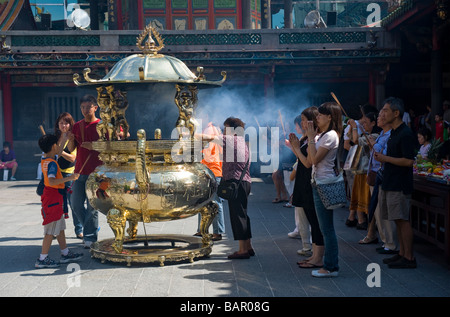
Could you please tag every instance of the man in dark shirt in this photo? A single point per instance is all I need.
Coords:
(397, 186)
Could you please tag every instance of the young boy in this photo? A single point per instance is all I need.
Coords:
(52, 205)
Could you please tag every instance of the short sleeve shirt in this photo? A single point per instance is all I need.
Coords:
(400, 145)
(7, 157)
(235, 156)
(325, 168)
(52, 169)
(379, 146)
(83, 154)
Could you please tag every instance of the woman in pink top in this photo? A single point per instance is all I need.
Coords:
(235, 157)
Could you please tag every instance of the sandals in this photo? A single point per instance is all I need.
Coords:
(351, 223)
(367, 240)
(307, 265)
(246, 255)
(239, 256)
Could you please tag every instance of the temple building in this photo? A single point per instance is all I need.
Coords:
(280, 56)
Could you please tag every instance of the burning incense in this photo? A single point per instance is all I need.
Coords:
(259, 126)
(42, 129)
(337, 101)
(282, 125)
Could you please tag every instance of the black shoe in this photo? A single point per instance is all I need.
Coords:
(361, 226)
(382, 250)
(216, 237)
(392, 259)
(403, 263)
(351, 223)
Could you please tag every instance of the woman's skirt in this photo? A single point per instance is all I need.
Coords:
(360, 197)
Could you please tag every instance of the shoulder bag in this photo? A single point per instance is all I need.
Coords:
(332, 190)
(228, 189)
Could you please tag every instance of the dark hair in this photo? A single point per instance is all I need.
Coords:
(6, 144)
(67, 117)
(396, 104)
(234, 122)
(426, 133)
(311, 114)
(368, 107)
(372, 116)
(89, 98)
(332, 109)
(46, 142)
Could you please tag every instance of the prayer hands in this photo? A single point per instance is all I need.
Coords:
(294, 141)
(310, 131)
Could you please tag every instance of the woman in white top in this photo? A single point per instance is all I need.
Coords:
(324, 143)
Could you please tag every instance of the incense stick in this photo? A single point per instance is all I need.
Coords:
(337, 101)
(42, 129)
(82, 167)
(364, 131)
(282, 125)
(342, 108)
(259, 126)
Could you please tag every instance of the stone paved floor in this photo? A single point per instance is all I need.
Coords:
(273, 272)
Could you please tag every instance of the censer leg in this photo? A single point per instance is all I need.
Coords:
(132, 229)
(208, 213)
(117, 221)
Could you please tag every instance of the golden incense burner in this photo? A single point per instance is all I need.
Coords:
(149, 180)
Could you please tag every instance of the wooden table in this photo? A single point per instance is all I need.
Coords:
(430, 212)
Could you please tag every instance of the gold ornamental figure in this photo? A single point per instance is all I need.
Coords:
(186, 103)
(140, 180)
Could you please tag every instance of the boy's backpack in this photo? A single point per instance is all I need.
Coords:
(40, 187)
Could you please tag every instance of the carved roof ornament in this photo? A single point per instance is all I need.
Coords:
(149, 46)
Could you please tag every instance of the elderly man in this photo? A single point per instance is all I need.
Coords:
(397, 186)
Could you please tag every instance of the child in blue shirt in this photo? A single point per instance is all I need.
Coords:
(52, 205)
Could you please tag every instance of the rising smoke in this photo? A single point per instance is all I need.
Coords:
(268, 120)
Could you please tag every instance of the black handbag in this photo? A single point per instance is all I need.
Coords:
(229, 189)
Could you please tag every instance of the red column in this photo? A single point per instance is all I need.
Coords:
(7, 107)
(140, 8)
(239, 13)
(211, 16)
(169, 15)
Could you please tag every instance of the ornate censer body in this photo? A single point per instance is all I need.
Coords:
(149, 180)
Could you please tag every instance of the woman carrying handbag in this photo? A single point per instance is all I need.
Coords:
(322, 150)
(235, 169)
